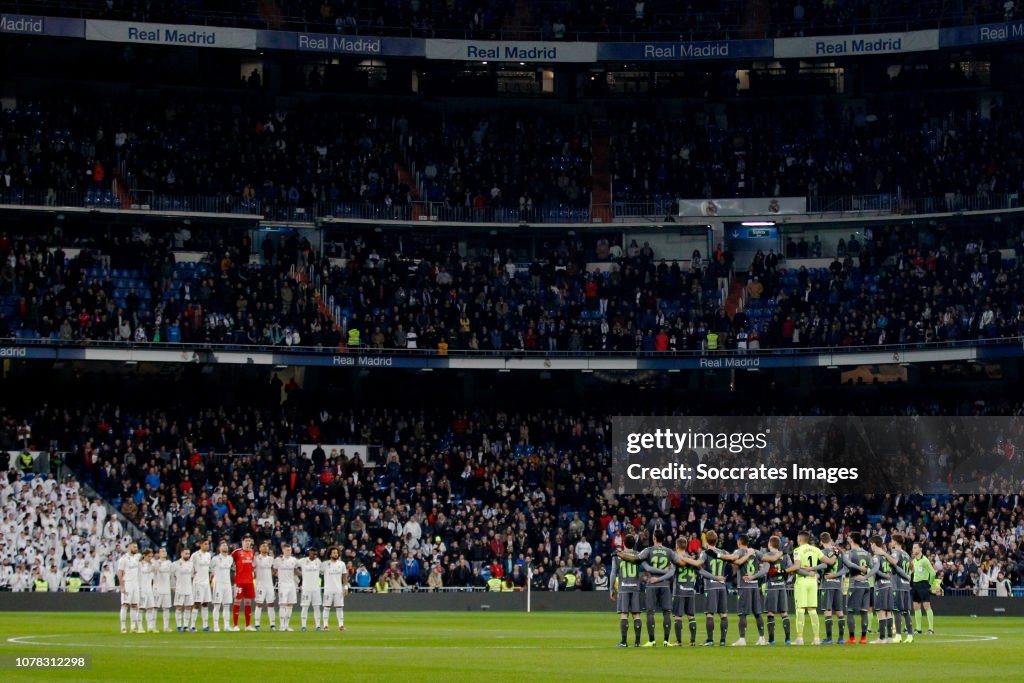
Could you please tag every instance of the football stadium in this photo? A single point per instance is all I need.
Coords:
(508, 340)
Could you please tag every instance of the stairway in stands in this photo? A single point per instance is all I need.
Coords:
(757, 17)
(601, 175)
(516, 26)
(734, 301)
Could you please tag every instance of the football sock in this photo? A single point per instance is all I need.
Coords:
(234, 614)
(842, 627)
(693, 630)
(865, 619)
(771, 627)
(124, 615)
(917, 619)
(650, 626)
(340, 613)
(636, 628)
(724, 623)
(710, 623)
(206, 616)
(931, 619)
(800, 623)
(815, 624)
(743, 626)
(667, 624)
(248, 615)
(828, 626)
(624, 629)
(259, 611)
(270, 612)
(679, 630)
(785, 625)
(304, 613)
(167, 619)
(760, 625)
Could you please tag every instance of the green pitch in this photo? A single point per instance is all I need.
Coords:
(494, 646)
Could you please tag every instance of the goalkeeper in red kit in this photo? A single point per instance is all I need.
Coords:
(245, 589)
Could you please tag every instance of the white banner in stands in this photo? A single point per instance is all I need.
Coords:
(510, 51)
(868, 44)
(351, 450)
(170, 34)
(757, 206)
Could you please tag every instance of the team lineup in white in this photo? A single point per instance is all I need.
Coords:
(233, 583)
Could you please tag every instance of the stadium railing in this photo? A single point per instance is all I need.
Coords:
(442, 212)
(503, 353)
(619, 212)
(896, 203)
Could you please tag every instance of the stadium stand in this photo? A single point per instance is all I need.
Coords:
(546, 19)
(474, 493)
(501, 165)
(886, 285)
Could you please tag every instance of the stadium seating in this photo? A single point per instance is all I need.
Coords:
(170, 472)
(548, 19)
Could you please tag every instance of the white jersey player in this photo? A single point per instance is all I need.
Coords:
(128, 580)
(335, 586)
(263, 564)
(309, 567)
(162, 568)
(183, 573)
(285, 567)
(223, 594)
(147, 599)
(201, 583)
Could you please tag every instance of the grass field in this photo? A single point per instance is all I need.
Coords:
(493, 646)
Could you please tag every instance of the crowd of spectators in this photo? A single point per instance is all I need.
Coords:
(904, 284)
(928, 146)
(549, 19)
(498, 160)
(453, 499)
(252, 156)
(50, 530)
(177, 148)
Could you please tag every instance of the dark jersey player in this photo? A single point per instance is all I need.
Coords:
(626, 569)
(659, 561)
(712, 563)
(684, 601)
(858, 561)
(751, 569)
(832, 598)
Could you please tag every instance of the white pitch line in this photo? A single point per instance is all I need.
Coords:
(29, 640)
